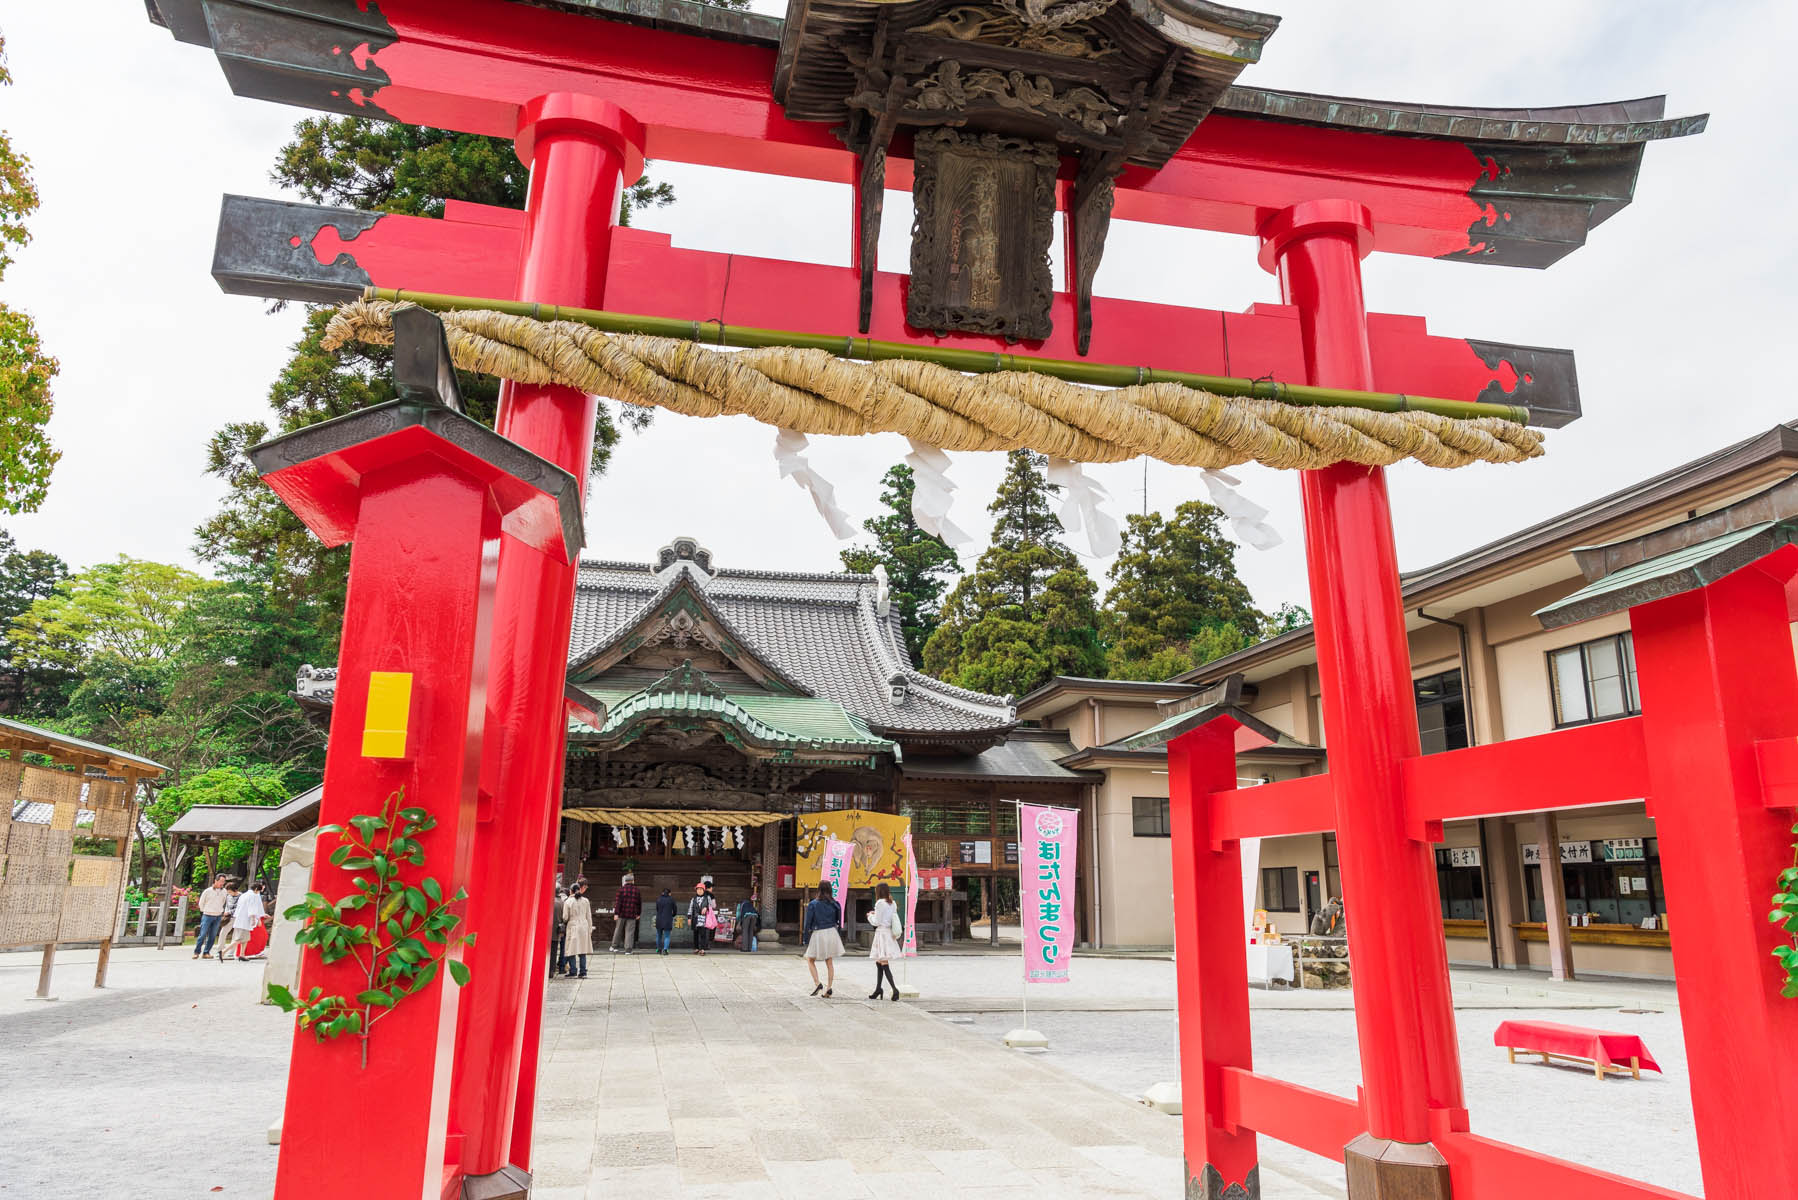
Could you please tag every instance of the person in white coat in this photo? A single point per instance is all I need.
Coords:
(577, 911)
(246, 916)
(885, 948)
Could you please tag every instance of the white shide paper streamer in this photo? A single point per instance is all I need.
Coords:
(932, 494)
(1247, 518)
(1080, 513)
(789, 452)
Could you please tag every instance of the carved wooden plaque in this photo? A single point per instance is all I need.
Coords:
(984, 213)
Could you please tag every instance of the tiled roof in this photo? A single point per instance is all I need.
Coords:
(769, 720)
(37, 812)
(820, 629)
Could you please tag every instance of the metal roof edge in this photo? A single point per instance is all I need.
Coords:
(1760, 448)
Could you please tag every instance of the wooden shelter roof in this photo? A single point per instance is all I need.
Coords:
(248, 822)
(65, 748)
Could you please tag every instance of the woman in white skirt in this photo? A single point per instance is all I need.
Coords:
(885, 919)
(822, 940)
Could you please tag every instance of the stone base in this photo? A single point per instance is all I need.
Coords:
(274, 1131)
(1384, 1170)
(767, 937)
(1026, 1039)
(1208, 1184)
(908, 991)
(507, 1183)
(1163, 1097)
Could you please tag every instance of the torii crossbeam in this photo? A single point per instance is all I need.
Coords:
(1136, 113)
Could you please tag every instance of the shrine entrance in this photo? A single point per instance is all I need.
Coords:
(1002, 120)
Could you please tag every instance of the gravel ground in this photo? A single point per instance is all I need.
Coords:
(1642, 1130)
(162, 1086)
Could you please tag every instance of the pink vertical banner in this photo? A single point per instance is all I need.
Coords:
(1047, 840)
(910, 937)
(833, 868)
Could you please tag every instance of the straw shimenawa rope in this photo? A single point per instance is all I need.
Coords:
(815, 392)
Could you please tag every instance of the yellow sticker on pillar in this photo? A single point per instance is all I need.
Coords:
(389, 712)
(879, 840)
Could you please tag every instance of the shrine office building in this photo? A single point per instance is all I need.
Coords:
(1485, 669)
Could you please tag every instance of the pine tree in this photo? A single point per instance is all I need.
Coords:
(1026, 613)
(918, 564)
(1175, 599)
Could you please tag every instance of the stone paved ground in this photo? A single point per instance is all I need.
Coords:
(687, 1077)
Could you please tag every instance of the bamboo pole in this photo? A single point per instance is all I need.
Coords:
(717, 333)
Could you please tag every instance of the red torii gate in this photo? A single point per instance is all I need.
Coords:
(589, 87)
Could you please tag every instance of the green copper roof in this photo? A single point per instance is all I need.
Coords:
(1683, 570)
(687, 696)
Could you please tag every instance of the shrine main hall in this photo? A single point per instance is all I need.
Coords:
(713, 707)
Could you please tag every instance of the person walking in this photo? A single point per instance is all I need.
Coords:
(244, 919)
(702, 915)
(214, 908)
(664, 921)
(749, 920)
(232, 893)
(627, 906)
(885, 919)
(577, 911)
(822, 941)
(558, 932)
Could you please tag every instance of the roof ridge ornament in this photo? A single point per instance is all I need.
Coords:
(686, 678)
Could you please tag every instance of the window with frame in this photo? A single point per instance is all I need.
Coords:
(1461, 889)
(1615, 892)
(1148, 816)
(1594, 681)
(1332, 869)
(1280, 889)
(1441, 712)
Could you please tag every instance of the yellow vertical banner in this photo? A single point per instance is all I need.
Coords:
(878, 838)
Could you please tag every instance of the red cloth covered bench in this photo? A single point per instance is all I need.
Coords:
(1603, 1052)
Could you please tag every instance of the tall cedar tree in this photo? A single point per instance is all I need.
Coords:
(377, 167)
(1026, 613)
(1175, 600)
(918, 564)
(26, 455)
(26, 576)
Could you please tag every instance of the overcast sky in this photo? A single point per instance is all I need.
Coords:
(1680, 308)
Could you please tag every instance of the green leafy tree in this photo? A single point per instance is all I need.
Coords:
(918, 564)
(236, 784)
(27, 576)
(1175, 599)
(378, 167)
(1026, 612)
(1286, 618)
(26, 455)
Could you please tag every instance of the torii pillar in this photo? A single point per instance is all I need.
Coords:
(423, 493)
(582, 151)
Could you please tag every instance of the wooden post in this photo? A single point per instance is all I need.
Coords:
(1554, 897)
(43, 973)
(169, 870)
(770, 872)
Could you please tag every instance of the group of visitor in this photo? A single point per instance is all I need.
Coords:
(823, 916)
(571, 923)
(225, 899)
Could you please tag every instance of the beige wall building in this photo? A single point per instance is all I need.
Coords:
(1485, 671)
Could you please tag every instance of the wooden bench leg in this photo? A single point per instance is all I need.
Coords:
(1511, 1051)
(1598, 1069)
(1546, 1060)
(1635, 1067)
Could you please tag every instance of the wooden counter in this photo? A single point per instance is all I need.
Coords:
(1600, 935)
(1463, 927)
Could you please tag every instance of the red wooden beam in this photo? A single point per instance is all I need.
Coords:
(1299, 1116)
(301, 252)
(450, 64)
(1303, 805)
(1483, 1167)
(1604, 763)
